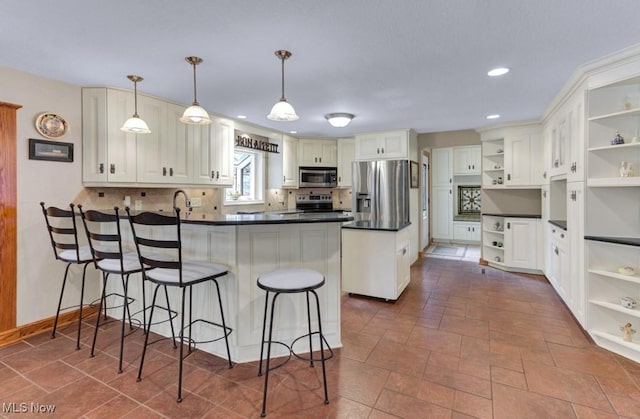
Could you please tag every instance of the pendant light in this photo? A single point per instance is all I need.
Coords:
(195, 114)
(282, 110)
(135, 125)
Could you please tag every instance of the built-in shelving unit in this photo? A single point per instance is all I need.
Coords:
(612, 225)
(493, 164)
(493, 231)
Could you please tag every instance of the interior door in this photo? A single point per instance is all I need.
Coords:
(424, 202)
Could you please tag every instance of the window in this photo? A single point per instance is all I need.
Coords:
(248, 186)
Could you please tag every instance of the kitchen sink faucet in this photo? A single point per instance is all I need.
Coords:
(186, 200)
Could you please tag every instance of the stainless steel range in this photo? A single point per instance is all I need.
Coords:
(314, 203)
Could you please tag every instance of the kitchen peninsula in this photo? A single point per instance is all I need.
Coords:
(251, 245)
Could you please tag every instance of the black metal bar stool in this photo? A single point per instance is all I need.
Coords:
(63, 233)
(154, 234)
(290, 281)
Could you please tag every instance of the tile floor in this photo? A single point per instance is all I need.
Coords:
(457, 344)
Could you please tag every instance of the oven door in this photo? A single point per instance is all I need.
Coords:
(318, 177)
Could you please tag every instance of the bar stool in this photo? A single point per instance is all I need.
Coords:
(63, 233)
(152, 234)
(105, 240)
(290, 281)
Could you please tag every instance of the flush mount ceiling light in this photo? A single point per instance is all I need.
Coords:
(135, 125)
(195, 114)
(499, 71)
(282, 110)
(494, 116)
(339, 119)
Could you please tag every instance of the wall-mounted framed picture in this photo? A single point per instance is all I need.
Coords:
(414, 174)
(50, 150)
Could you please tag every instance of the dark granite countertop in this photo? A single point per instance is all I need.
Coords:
(629, 241)
(472, 218)
(268, 217)
(375, 225)
(514, 215)
(559, 223)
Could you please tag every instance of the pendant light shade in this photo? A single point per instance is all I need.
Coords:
(339, 119)
(135, 124)
(282, 110)
(195, 114)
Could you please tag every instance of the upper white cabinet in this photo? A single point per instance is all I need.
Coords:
(213, 152)
(346, 156)
(322, 153)
(467, 160)
(109, 154)
(164, 155)
(512, 157)
(283, 166)
(383, 145)
(442, 167)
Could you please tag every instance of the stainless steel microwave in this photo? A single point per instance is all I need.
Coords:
(318, 177)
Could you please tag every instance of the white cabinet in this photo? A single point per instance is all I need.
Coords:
(383, 145)
(164, 155)
(464, 231)
(442, 193)
(521, 242)
(559, 268)
(512, 157)
(442, 167)
(109, 154)
(575, 229)
(346, 156)
(369, 255)
(441, 213)
(283, 166)
(213, 153)
(511, 243)
(322, 153)
(467, 160)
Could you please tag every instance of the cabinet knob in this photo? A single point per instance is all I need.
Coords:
(544, 194)
(217, 174)
(553, 230)
(164, 171)
(112, 168)
(378, 150)
(556, 250)
(574, 167)
(382, 150)
(213, 175)
(508, 176)
(101, 168)
(544, 174)
(171, 171)
(320, 159)
(339, 178)
(284, 178)
(509, 226)
(562, 235)
(574, 195)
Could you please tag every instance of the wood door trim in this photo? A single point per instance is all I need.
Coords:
(8, 215)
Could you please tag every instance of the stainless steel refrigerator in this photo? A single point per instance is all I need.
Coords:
(380, 191)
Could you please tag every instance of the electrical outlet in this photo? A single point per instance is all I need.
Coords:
(195, 202)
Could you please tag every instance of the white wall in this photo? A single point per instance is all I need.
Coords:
(55, 183)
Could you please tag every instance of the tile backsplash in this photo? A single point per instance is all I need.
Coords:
(156, 199)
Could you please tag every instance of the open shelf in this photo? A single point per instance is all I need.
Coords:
(630, 278)
(616, 307)
(632, 113)
(615, 339)
(613, 182)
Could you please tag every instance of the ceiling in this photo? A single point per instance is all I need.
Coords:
(417, 64)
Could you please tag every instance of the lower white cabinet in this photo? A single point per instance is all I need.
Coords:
(375, 263)
(512, 243)
(466, 231)
(441, 213)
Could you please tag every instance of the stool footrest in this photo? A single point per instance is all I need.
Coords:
(310, 358)
(96, 302)
(277, 342)
(173, 314)
(227, 331)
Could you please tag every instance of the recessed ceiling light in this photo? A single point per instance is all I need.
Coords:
(242, 116)
(500, 71)
(494, 116)
(293, 132)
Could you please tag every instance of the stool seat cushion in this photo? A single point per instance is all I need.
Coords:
(130, 263)
(192, 272)
(291, 280)
(71, 256)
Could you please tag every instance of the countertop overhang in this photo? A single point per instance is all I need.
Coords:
(267, 218)
(376, 225)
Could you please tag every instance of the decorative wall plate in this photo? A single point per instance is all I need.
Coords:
(51, 125)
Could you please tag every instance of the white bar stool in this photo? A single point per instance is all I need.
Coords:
(290, 281)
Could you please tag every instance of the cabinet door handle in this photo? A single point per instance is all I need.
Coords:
(320, 159)
(450, 192)
(544, 174)
(544, 194)
(112, 168)
(217, 174)
(450, 180)
(556, 250)
(574, 167)
(469, 167)
(213, 175)
(509, 226)
(382, 150)
(562, 235)
(101, 168)
(164, 171)
(378, 150)
(508, 176)
(171, 171)
(339, 178)
(574, 195)
(284, 178)
(553, 230)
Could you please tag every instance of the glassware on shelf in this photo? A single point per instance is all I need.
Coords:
(626, 169)
(627, 103)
